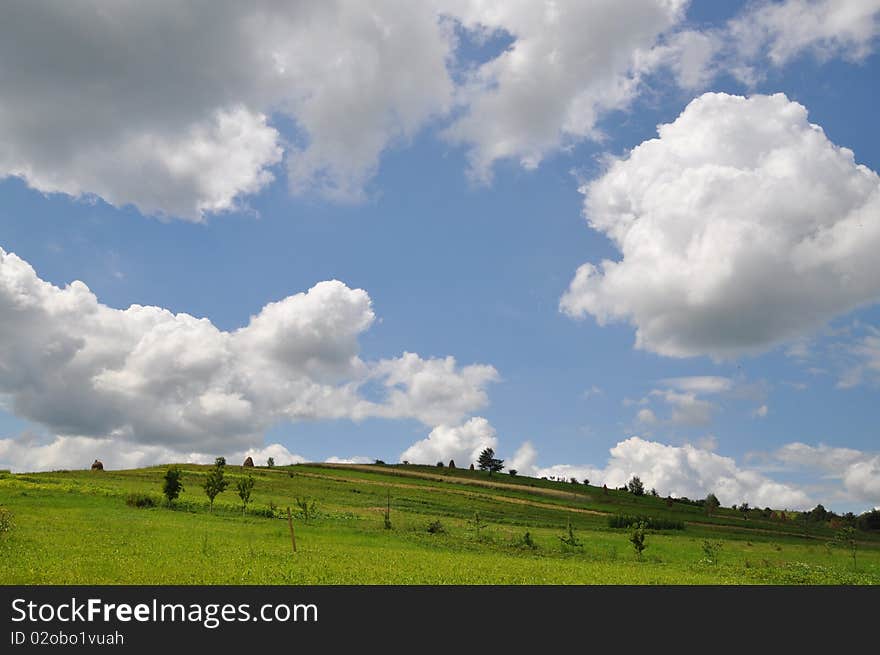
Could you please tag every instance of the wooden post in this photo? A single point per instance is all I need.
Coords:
(292, 535)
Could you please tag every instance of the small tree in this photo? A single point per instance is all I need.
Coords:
(245, 486)
(637, 539)
(512, 472)
(488, 462)
(636, 486)
(216, 483)
(712, 503)
(477, 524)
(172, 485)
(270, 462)
(586, 481)
(308, 510)
(570, 539)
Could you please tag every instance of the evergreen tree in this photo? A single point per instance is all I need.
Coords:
(488, 462)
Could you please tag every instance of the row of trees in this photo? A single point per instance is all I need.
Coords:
(215, 484)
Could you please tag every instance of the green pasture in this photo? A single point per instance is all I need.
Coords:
(75, 527)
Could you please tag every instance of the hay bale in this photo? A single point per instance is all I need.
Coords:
(97, 465)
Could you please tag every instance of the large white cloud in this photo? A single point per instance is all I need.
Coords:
(685, 471)
(569, 62)
(463, 443)
(145, 375)
(741, 226)
(29, 452)
(859, 471)
(167, 106)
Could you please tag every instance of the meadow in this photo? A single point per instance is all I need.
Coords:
(448, 526)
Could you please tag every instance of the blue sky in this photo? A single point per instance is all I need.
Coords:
(459, 265)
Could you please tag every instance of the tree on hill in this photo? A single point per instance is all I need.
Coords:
(270, 462)
(215, 483)
(488, 462)
(712, 503)
(245, 486)
(636, 486)
(172, 485)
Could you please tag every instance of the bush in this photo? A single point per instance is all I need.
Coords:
(141, 501)
(435, 527)
(172, 485)
(650, 522)
(6, 522)
(527, 542)
(308, 510)
(637, 539)
(570, 539)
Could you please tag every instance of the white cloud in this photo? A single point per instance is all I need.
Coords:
(28, 452)
(740, 227)
(524, 459)
(569, 62)
(699, 383)
(646, 416)
(95, 103)
(463, 443)
(144, 375)
(825, 28)
(685, 471)
(858, 470)
(761, 412)
(357, 459)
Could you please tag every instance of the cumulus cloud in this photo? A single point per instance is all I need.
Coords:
(169, 107)
(739, 227)
(524, 459)
(463, 443)
(685, 471)
(569, 62)
(145, 375)
(826, 28)
(30, 452)
(858, 470)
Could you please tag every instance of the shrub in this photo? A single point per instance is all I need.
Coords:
(307, 510)
(6, 521)
(650, 522)
(513, 472)
(140, 501)
(435, 527)
(172, 485)
(570, 539)
(439, 465)
(637, 539)
(527, 542)
(477, 524)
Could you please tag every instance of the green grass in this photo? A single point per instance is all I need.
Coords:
(77, 527)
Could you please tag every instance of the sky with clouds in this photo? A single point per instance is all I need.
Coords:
(615, 238)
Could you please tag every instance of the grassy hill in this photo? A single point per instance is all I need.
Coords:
(83, 527)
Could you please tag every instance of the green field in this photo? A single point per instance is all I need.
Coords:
(76, 527)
